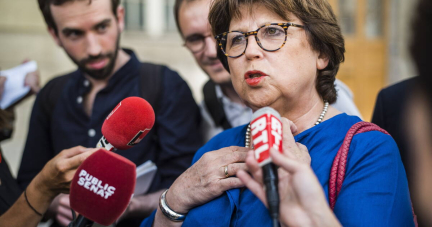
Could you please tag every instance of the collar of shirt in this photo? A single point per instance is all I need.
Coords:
(71, 118)
(124, 73)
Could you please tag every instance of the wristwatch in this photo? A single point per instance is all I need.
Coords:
(167, 211)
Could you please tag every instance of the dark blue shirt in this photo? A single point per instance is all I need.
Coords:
(171, 143)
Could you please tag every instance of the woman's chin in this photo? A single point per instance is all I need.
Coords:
(258, 104)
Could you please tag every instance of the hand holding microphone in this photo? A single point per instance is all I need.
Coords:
(102, 188)
(54, 178)
(266, 134)
(302, 200)
(103, 185)
(269, 131)
(124, 127)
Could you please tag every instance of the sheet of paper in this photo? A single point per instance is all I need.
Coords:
(145, 174)
(14, 87)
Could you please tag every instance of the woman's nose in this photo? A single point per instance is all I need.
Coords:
(253, 50)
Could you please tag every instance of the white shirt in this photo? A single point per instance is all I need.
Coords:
(344, 102)
(237, 114)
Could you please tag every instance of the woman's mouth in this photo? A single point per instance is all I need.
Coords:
(253, 78)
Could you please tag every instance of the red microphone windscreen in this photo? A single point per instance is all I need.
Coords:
(103, 186)
(128, 123)
(266, 132)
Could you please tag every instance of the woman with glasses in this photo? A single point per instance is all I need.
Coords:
(285, 54)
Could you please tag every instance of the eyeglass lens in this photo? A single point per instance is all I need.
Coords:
(195, 43)
(270, 38)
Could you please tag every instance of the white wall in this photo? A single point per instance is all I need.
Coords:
(21, 15)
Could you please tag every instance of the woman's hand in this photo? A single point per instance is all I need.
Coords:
(293, 150)
(54, 178)
(206, 179)
(57, 174)
(302, 200)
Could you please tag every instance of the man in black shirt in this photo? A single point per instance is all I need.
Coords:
(71, 109)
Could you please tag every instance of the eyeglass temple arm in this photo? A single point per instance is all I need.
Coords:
(296, 25)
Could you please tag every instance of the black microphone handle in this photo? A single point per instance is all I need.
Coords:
(270, 177)
(81, 221)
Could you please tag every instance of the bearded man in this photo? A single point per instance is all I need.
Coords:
(71, 109)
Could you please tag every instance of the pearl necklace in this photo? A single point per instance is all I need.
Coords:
(320, 118)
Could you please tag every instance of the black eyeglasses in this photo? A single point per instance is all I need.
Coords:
(195, 43)
(270, 37)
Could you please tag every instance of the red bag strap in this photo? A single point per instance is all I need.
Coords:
(337, 173)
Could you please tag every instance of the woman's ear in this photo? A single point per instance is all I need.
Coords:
(322, 61)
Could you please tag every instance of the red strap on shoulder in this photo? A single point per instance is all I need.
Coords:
(337, 172)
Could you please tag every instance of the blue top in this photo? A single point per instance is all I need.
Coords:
(374, 193)
(171, 144)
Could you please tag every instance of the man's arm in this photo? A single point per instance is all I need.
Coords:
(178, 132)
(178, 128)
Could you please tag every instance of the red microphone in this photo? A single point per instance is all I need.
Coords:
(124, 127)
(266, 131)
(127, 124)
(102, 187)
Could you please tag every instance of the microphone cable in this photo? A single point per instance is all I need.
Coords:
(81, 221)
(271, 181)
